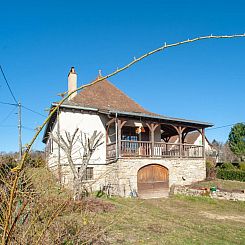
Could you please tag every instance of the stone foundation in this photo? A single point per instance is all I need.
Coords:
(98, 182)
(120, 177)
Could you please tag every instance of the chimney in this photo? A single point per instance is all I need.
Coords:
(72, 83)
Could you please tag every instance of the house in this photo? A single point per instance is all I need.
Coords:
(195, 138)
(137, 157)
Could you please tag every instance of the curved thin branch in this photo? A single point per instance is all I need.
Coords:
(53, 111)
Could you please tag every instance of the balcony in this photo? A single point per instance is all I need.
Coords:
(148, 149)
(131, 138)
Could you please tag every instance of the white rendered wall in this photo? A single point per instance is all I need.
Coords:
(199, 142)
(69, 121)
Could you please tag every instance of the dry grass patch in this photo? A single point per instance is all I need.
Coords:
(176, 220)
(51, 216)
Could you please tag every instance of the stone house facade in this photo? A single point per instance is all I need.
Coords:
(138, 156)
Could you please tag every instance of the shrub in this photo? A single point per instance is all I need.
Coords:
(209, 164)
(228, 166)
(231, 174)
(210, 169)
(242, 166)
(35, 161)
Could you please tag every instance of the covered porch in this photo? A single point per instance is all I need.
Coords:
(132, 137)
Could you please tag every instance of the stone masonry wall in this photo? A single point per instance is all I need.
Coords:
(181, 172)
(98, 182)
(224, 195)
(120, 178)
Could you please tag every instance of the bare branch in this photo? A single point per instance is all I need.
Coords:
(53, 111)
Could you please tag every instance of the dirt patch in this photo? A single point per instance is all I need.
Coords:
(97, 205)
(238, 218)
(88, 204)
(157, 228)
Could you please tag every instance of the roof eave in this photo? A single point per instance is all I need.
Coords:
(45, 137)
(135, 114)
(75, 107)
(206, 124)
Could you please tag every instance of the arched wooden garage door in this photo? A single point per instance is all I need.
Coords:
(153, 181)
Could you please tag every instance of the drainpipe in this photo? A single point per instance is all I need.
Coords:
(116, 137)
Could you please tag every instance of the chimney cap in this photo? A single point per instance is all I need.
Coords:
(72, 70)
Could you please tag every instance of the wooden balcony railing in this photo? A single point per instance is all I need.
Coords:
(128, 148)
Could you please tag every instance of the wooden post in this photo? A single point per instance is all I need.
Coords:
(152, 140)
(120, 124)
(180, 141)
(106, 139)
(152, 127)
(203, 142)
(20, 128)
(116, 132)
(119, 137)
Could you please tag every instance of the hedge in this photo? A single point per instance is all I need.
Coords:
(242, 166)
(231, 174)
(228, 166)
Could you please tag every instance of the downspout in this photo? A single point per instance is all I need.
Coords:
(116, 125)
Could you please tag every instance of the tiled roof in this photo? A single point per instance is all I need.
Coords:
(192, 137)
(189, 139)
(174, 139)
(105, 96)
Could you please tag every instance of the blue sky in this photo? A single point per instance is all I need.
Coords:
(39, 42)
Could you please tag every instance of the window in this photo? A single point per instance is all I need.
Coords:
(128, 133)
(89, 173)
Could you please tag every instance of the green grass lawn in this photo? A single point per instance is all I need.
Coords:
(228, 185)
(175, 220)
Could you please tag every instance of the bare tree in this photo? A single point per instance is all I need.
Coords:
(13, 187)
(228, 155)
(87, 146)
(224, 154)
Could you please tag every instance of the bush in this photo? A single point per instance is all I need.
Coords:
(242, 166)
(35, 161)
(209, 164)
(228, 166)
(231, 174)
(210, 169)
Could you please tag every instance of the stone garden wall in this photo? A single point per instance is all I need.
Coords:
(218, 194)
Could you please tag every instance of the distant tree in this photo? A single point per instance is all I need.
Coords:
(237, 140)
(218, 146)
(228, 155)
